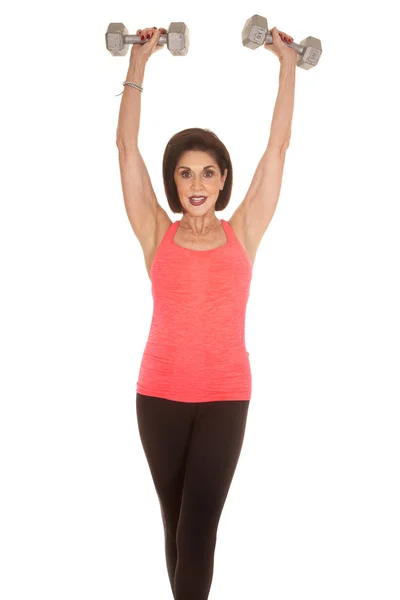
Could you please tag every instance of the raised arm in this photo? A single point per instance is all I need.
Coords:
(259, 204)
(140, 200)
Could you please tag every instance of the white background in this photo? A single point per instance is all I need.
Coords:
(313, 509)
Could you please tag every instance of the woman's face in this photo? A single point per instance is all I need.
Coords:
(197, 174)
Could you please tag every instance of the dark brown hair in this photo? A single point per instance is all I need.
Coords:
(195, 139)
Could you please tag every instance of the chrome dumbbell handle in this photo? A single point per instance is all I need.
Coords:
(312, 54)
(298, 47)
(136, 39)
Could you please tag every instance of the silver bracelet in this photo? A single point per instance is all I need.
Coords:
(134, 85)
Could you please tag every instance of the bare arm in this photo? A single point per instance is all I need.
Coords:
(267, 178)
(281, 126)
(259, 204)
(129, 113)
(140, 200)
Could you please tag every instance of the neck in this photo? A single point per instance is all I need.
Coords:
(200, 225)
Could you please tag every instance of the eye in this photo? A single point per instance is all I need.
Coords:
(187, 173)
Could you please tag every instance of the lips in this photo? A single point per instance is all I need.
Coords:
(197, 201)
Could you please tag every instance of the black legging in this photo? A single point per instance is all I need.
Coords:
(192, 450)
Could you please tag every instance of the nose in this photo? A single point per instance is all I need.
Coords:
(196, 185)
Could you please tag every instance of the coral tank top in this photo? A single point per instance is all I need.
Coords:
(196, 349)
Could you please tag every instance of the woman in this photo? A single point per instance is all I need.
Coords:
(194, 383)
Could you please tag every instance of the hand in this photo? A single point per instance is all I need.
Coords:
(144, 51)
(279, 46)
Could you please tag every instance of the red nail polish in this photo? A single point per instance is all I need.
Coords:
(148, 36)
(142, 38)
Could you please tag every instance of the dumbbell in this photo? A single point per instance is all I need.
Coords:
(118, 39)
(256, 33)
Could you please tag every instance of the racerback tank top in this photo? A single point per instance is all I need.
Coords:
(196, 351)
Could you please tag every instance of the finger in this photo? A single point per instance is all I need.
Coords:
(282, 36)
(147, 34)
(150, 29)
(287, 38)
(154, 40)
(155, 34)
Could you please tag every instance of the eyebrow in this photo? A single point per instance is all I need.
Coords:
(188, 168)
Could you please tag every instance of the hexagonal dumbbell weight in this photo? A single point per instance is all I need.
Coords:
(256, 33)
(118, 39)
